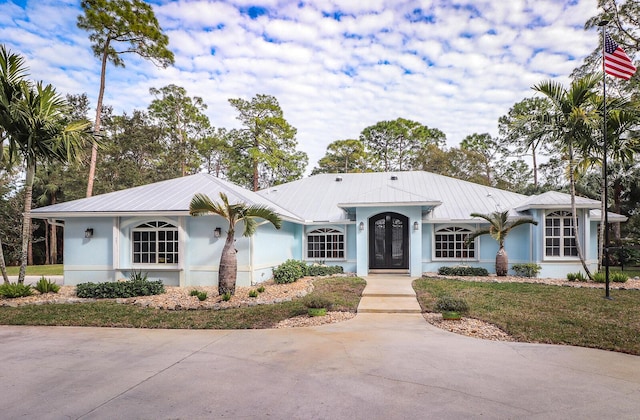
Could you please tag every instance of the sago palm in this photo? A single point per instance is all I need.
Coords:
(499, 228)
(233, 213)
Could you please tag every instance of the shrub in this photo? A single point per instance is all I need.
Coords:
(45, 285)
(462, 271)
(119, 289)
(618, 277)
(253, 293)
(15, 290)
(289, 271)
(323, 270)
(260, 289)
(576, 276)
(226, 296)
(317, 301)
(526, 270)
(194, 292)
(137, 276)
(451, 304)
(599, 277)
(202, 296)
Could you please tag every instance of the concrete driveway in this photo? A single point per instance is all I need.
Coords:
(375, 366)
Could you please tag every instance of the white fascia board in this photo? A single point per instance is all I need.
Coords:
(392, 204)
(556, 207)
(70, 215)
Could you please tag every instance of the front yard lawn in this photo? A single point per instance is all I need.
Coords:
(541, 313)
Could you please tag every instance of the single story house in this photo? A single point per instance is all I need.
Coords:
(408, 222)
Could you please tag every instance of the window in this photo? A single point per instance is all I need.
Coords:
(449, 243)
(559, 240)
(325, 244)
(155, 243)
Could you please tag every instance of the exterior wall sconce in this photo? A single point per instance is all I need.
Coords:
(361, 226)
(88, 233)
(217, 232)
(416, 226)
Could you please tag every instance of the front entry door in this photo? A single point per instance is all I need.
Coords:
(388, 241)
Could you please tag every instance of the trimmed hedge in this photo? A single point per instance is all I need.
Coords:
(462, 271)
(119, 289)
(526, 269)
(323, 270)
(292, 270)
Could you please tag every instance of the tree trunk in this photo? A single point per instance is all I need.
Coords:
(96, 125)
(47, 250)
(228, 267)
(26, 220)
(574, 214)
(535, 167)
(502, 262)
(3, 266)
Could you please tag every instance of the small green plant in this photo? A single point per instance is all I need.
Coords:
(260, 289)
(289, 271)
(194, 292)
(599, 277)
(137, 276)
(526, 269)
(317, 301)
(15, 290)
(45, 285)
(462, 270)
(202, 296)
(253, 293)
(451, 304)
(324, 270)
(618, 277)
(226, 297)
(576, 276)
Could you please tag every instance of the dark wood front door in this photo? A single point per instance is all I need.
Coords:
(388, 241)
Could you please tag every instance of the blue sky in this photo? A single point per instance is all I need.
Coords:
(336, 67)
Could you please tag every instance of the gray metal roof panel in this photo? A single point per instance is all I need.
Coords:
(165, 196)
(555, 199)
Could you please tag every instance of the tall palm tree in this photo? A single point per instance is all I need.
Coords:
(12, 73)
(36, 130)
(499, 228)
(240, 212)
(571, 122)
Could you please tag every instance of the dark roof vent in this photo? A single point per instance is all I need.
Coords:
(394, 178)
(338, 179)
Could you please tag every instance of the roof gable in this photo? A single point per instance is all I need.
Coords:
(556, 200)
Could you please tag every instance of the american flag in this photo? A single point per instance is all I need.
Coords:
(616, 62)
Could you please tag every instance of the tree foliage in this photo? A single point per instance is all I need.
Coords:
(118, 27)
(343, 156)
(394, 145)
(263, 151)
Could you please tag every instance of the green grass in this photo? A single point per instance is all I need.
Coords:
(38, 270)
(345, 292)
(547, 314)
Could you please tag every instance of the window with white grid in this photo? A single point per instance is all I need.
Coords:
(559, 238)
(325, 243)
(450, 243)
(155, 243)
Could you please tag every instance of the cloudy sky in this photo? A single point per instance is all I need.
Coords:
(335, 66)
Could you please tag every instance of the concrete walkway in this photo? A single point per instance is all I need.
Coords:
(375, 366)
(386, 293)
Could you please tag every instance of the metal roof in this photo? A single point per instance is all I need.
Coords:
(323, 197)
(171, 196)
(556, 200)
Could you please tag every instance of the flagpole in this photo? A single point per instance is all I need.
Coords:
(605, 216)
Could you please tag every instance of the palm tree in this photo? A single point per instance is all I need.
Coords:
(499, 228)
(33, 121)
(233, 213)
(12, 74)
(571, 122)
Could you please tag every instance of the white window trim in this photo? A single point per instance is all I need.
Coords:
(175, 227)
(312, 229)
(476, 244)
(562, 257)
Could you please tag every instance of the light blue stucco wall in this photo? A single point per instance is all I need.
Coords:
(363, 214)
(88, 259)
(348, 263)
